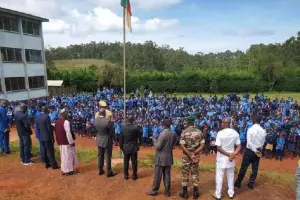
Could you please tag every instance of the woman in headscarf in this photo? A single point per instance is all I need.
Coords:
(66, 140)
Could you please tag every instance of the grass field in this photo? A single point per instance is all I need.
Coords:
(271, 95)
(78, 63)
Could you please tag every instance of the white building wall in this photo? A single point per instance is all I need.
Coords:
(35, 69)
(38, 93)
(23, 69)
(32, 42)
(9, 39)
(17, 95)
(13, 69)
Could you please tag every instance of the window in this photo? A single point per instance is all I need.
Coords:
(29, 27)
(9, 23)
(34, 56)
(11, 54)
(36, 82)
(15, 83)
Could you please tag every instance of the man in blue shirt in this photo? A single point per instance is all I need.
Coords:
(37, 134)
(4, 127)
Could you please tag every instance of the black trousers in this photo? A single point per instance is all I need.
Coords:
(165, 173)
(25, 148)
(108, 153)
(48, 154)
(249, 158)
(133, 157)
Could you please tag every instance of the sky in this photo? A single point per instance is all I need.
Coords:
(196, 25)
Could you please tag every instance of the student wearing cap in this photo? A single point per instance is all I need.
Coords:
(163, 159)
(192, 143)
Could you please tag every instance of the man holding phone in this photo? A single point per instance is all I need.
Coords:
(256, 137)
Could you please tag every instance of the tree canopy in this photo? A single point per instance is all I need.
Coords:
(268, 63)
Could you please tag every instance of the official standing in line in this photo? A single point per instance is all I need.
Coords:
(164, 159)
(4, 128)
(192, 143)
(129, 144)
(104, 140)
(108, 113)
(43, 125)
(37, 134)
(24, 133)
(226, 141)
(256, 137)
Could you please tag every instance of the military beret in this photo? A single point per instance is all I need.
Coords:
(191, 118)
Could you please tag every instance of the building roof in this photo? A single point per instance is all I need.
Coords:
(55, 83)
(21, 14)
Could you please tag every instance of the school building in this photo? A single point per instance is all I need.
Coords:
(22, 61)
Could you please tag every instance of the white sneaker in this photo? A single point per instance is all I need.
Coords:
(30, 163)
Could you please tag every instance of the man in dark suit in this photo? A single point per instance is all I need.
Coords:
(164, 159)
(43, 125)
(24, 132)
(130, 146)
(104, 141)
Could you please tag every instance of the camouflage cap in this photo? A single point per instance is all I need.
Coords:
(191, 118)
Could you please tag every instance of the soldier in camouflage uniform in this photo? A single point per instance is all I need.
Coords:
(192, 142)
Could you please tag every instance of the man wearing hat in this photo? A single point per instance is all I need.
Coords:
(108, 116)
(192, 143)
(164, 159)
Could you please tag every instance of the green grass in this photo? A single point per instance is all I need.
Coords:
(78, 63)
(276, 177)
(271, 95)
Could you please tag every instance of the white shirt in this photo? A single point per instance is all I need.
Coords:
(226, 139)
(256, 137)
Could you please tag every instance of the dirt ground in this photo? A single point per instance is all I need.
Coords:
(287, 166)
(36, 183)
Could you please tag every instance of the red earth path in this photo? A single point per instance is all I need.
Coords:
(18, 182)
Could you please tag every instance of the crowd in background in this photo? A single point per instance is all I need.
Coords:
(280, 116)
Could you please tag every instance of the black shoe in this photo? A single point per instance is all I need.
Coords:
(251, 186)
(236, 184)
(69, 173)
(184, 193)
(47, 166)
(167, 194)
(152, 193)
(101, 173)
(196, 192)
(55, 167)
(112, 174)
(134, 178)
(126, 177)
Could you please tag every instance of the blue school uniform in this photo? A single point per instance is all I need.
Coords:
(145, 132)
(117, 128)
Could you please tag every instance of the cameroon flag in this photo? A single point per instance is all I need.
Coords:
(127, 7)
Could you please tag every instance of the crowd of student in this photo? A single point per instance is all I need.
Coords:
(280, 116)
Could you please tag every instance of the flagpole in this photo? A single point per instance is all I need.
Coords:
(124, 61)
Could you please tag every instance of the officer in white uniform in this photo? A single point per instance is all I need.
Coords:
(226, 141)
